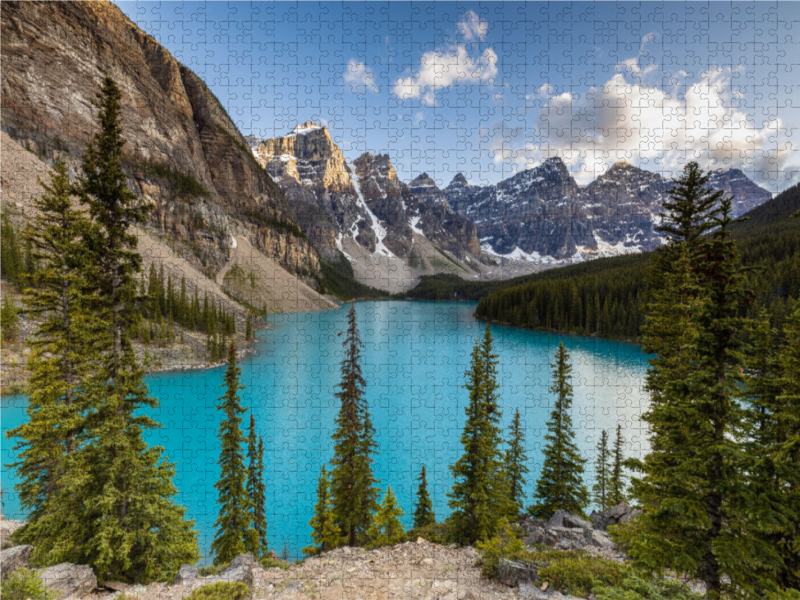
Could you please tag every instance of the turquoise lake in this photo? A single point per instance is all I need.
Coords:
(415, 357)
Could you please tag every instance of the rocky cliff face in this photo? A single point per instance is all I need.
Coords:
(542, 214)
(364, 203)
(184, 155)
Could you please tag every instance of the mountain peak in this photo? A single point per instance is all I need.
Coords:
(459, 181)
(422, 181)
(306, 127)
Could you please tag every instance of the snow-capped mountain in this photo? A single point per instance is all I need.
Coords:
(543, 215)
(391, 232)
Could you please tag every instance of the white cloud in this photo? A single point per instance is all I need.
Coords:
(472, 27)
(359, 77)
(654, 127)
(441, 69)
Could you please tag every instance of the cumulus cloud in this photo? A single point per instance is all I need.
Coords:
(657, 128)
(439, 69)
(472, 27)
(359, 77)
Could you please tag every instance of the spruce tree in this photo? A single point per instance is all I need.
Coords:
(616, 482)
(57, 299)
(256, 489)
(560, 484)
(353, 489)
(324, 530)
(516, 464)
(11, 264)
(235, 533)
(116, 510)
(386, 528)
(602, 487)
(479, 498)
(696, 518)
(423, 512)
(9, 320)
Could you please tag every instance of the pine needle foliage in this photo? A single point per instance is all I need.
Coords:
(560, 484)
(353, 485)
(256, 489)
(516, 466)
(235, 532)
(617, 480)
(480, 497)
(324, 530)
(423, 511)
(601, 488)
(386, 528)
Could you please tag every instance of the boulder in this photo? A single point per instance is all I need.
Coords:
(530, 592)
(186, 573)
(13, 558)
(621, 513)
(7, 529)
(513, 573)
(563, 518)
(240, 569)
(67, 579)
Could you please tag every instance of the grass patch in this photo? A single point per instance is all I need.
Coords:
(221, 590)
(25, 584)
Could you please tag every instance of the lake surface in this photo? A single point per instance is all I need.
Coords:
(415, 357)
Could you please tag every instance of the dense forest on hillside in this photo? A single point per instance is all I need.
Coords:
(603, 297)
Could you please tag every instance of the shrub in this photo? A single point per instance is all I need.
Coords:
(25, 584)
(506, 544)
(221, 591)
(270, 562)
(211, 570)
(578, 573)
(634, 587)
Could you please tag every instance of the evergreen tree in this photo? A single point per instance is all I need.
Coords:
(116, 510)
(324, 530)
(616, 482)
(8, 319)
(423, 512)
(235, 533)
(11, 263)
(58, 364)
(256, 489)
(248, 334)
(560, 484)
(696, 518)
(602, 483)
(516, 466)
(386, 528)
(353, 489)
(480, 495)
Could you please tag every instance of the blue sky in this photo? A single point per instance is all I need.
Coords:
(489, 89)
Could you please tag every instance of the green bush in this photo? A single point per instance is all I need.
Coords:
(25, 584)
(270, 562)
(211, 570)
(634, 587)
(221, 591)
(506, 544)
(578, 573)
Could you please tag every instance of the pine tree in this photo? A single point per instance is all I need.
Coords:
(8, 319)
(353, 486)
(516, 466)
(58, 363)
(423, 512)
(602, 487)
(386, 528)
(616, 482)
(479, 498)
(235, 533)
(116, 510)
(324, 531)
(256, 489)
(696, 518)
(11, 264)
(248, 334)
(560, 484)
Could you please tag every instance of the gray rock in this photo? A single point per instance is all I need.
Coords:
(7, 529)
(186, 573)
(69, 580)
(529, 592)
(14, 558)
(621, 513)
(513, 573)
(240, 569)
(563, 518)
